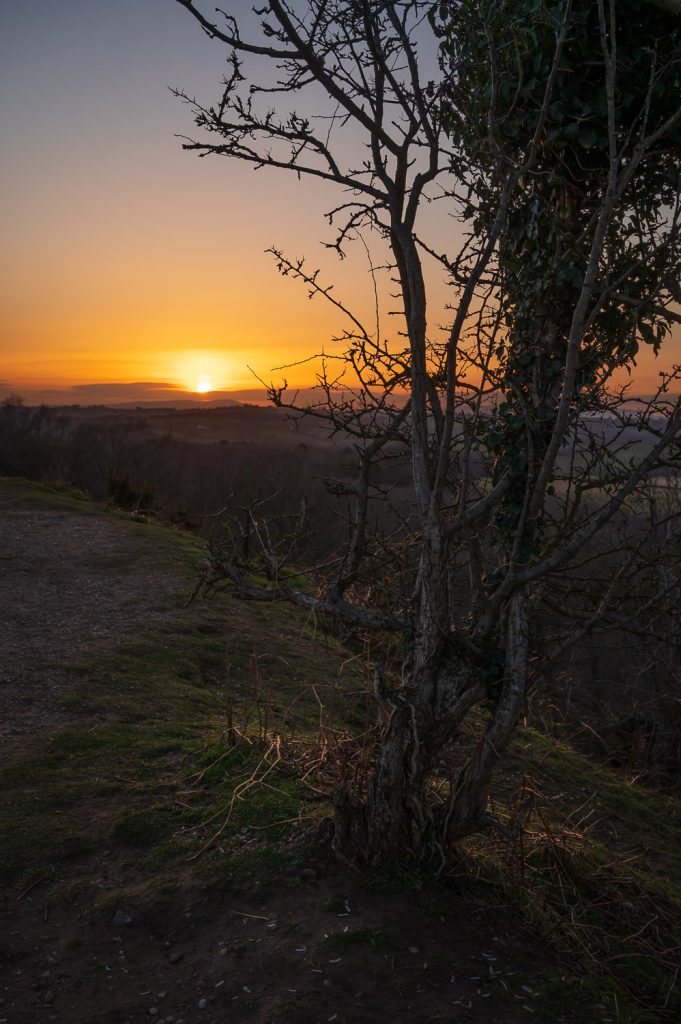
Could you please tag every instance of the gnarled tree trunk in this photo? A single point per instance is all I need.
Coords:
(427, 713)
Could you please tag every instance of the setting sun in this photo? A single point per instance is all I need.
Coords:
(201, 372)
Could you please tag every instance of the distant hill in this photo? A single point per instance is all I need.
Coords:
(181, 403)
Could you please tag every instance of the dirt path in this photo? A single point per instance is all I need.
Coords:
(72, 585)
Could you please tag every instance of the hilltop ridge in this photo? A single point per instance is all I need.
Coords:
(159, 856)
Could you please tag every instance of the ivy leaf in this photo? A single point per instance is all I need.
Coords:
(588, 137)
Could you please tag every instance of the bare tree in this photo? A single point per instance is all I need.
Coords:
(551, 135)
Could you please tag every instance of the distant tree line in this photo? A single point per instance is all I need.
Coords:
(122, 459)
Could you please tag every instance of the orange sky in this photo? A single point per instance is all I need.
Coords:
(123, 258)
(131, 279)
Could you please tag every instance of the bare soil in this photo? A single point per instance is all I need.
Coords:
(249, 958)
(73, 586)
(316, 944)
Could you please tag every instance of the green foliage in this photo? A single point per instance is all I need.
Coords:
(127, 497)
(498, 56)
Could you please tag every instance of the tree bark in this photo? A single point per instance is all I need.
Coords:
(467, 810)
(426, 715)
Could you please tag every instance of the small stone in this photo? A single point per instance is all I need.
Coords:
(202, 1004)
(153, 1011)
(413, 949)
(175, 957)
(309, 874)
(48, 997)
(121, 918)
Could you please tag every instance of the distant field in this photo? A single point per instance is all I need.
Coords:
(251, 424)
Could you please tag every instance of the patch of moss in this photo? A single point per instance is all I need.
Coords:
(51, 843)
(170, 852)
(258, 864)
(150, 827)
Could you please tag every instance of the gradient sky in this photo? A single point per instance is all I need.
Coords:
(123, 258)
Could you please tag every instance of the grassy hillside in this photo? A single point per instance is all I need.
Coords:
(185, 756)
(184, 706)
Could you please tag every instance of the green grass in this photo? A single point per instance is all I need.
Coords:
(624, 815)
(52, 495)
(597, 878)
(32, 846)
(151, 827)
(149, 774)
(147, 763)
